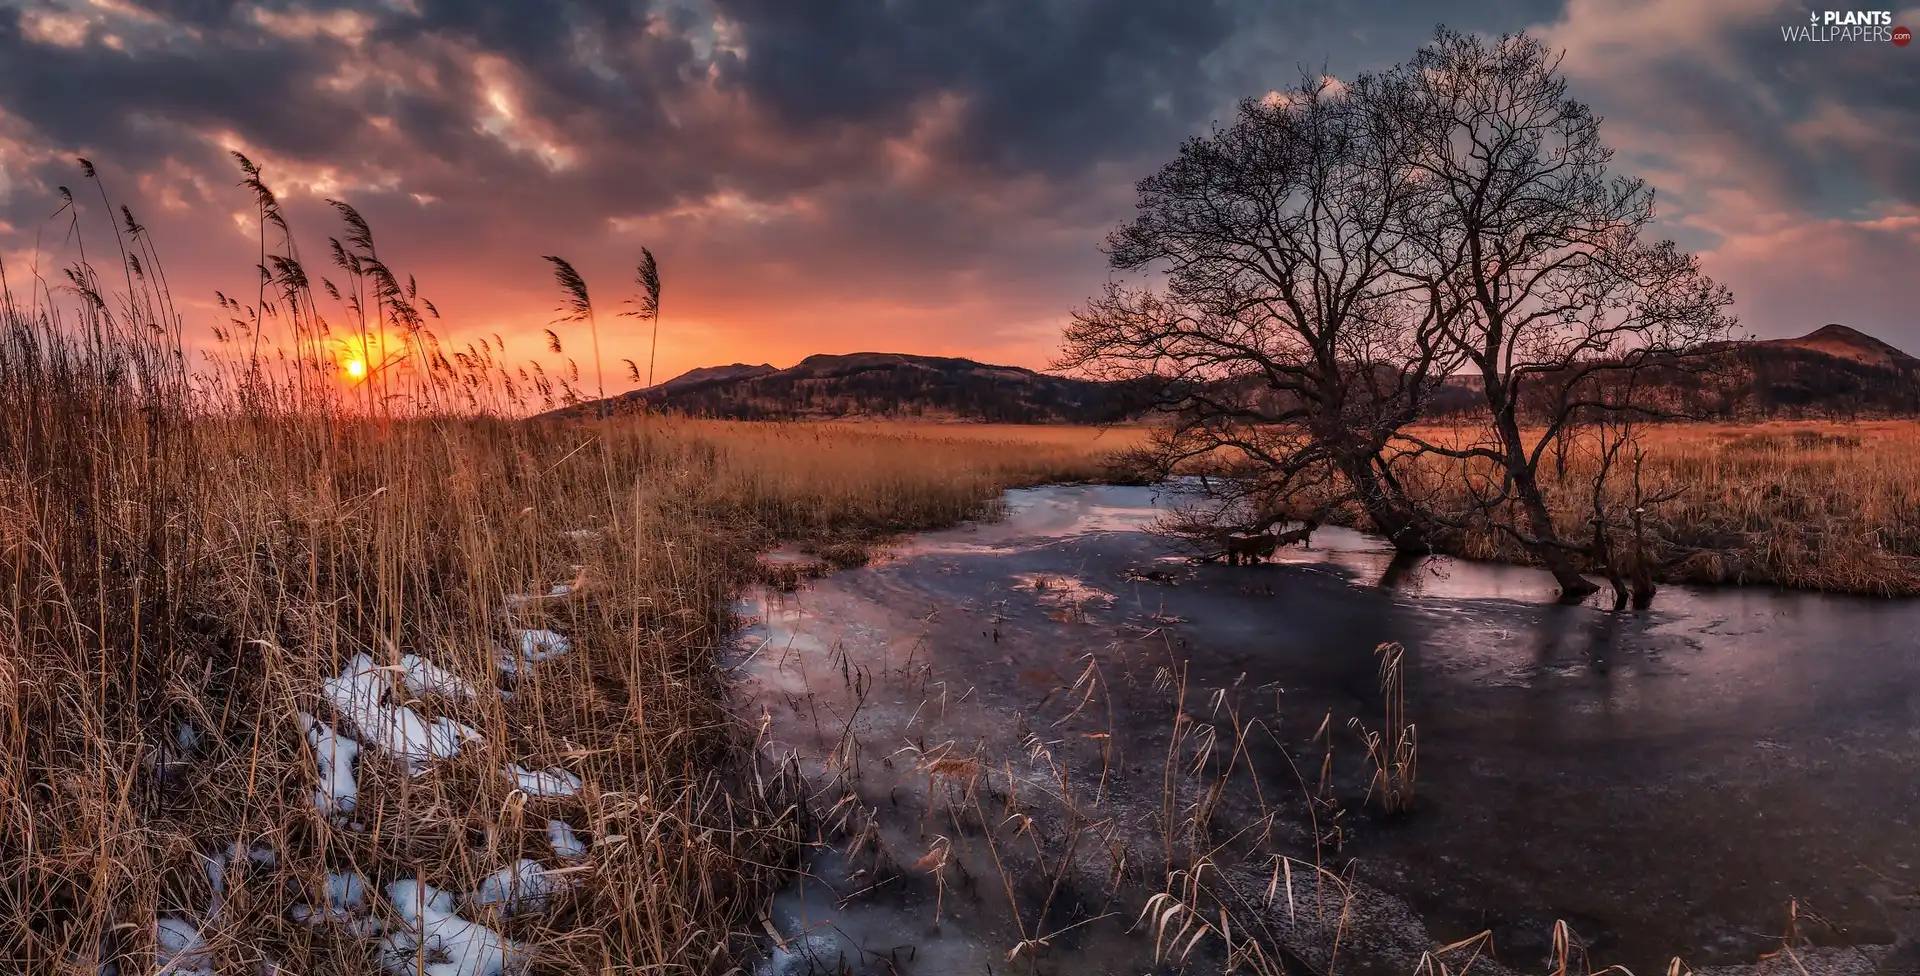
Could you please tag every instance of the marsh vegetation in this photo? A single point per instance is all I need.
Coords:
(315, 656)
(302, 639)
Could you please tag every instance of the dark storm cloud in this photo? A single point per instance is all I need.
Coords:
(1048, 88)
(1053, 86)
(1797, 121)
(893, 130)
(831, 173)
(91, 94)
(1793, 167)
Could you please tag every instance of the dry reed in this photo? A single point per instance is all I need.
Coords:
(188, 556)
(1810, 505)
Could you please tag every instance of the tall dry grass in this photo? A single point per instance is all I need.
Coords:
(187, 556)
(1829, 506)
(836, 481)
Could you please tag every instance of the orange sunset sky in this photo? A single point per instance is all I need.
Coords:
(834, 176)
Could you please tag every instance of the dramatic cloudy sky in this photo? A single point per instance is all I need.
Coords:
(915, 175)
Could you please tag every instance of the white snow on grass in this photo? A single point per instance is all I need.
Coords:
(531, 647)
(542, 645)
(346, 907)
(566, 844)
(180, 945)
(423, 677)
(509, 664)
(523, 886)
(339, 792)
(217, 864)
(433, 941)
(357, 692)
(180, 948)
(176, 754)
(546, 782)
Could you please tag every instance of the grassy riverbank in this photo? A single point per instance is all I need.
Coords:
(1818, 505)
(184, 574)
(1811, 505)
(180, 583)
(1829, 506)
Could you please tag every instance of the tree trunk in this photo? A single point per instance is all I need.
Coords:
(1545, 545)
(1400, 526)
(1573, 586)
(1391, 517)
(1398, 569)
(1642, 570)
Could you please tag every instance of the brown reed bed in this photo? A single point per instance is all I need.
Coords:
(184, 570)
(1831, 506)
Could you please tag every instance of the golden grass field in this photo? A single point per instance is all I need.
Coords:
(180, 584)
(178, 589)
(1117, 437)
(1822, 505)
(214, 571)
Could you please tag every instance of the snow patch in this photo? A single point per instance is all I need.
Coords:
(517, 600)
(357, 692)
(433, 941)
(543, 645)
(523, 886)
(346, 907)
(531, 646)
(338, 793)
(180, 947)
(176, 754)
(546, 782)
(215, 865)
(566, 844)
(423, 677)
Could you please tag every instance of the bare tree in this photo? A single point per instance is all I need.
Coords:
(1285, 338)
(1337, 255)
(1561, 308)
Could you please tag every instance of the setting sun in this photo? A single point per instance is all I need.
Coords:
(356, 368)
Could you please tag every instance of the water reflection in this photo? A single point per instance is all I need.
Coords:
(1672, 779)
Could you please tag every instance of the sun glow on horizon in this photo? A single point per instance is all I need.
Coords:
(355, 368)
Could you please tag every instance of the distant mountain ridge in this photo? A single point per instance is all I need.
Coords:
(883, 384)
(1845, 343)
(1833, 371)
(706, 375)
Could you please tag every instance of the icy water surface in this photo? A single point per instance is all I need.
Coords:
(1010, 731)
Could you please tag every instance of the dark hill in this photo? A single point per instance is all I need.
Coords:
(710, 375)
(1843, 343)
(1833, 371)
(878, 384)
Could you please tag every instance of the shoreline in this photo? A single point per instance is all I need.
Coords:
(1400, 934)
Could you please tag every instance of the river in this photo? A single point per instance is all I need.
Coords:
(1015, 727)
